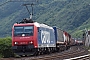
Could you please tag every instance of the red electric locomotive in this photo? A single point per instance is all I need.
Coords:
(31, 38)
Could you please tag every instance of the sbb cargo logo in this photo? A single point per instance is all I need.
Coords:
(45, 36)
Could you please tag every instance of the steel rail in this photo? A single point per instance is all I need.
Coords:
(60, 56)
(80, 57)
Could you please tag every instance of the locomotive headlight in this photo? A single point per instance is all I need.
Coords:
(15, 42)
(30, 42)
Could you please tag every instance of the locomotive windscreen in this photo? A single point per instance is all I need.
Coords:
(23, 31)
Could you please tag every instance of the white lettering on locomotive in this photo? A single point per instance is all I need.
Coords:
(45, 37)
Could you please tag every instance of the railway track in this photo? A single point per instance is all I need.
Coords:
(70, 53)
(84, 57)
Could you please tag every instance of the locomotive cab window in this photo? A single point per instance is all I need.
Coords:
(23, 31)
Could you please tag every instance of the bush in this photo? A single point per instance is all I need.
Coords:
(5, 47)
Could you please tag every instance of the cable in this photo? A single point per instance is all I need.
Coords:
(24, 0)
(17, 1)
(5, 2)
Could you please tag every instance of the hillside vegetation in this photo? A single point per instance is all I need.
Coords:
(5, 47)
(72, 16)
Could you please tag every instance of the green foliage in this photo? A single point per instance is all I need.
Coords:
(5, 47)
(78, 34)
(69, 15)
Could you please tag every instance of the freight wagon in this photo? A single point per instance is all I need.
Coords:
(31, 38)
(63, 39)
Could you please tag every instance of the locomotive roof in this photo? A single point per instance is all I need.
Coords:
(42, 25)
(35, 23)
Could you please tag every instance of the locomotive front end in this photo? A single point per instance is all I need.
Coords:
(23, 39)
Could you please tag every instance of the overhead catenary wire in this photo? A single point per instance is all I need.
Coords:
(18, 1)
(24, 0)
(5, 2)
(32, 3)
